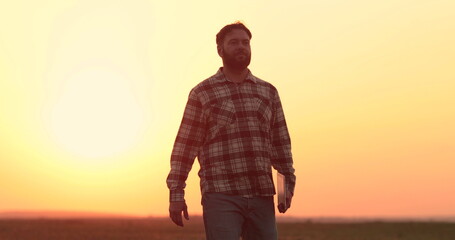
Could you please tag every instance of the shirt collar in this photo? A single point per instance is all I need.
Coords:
(220, 77)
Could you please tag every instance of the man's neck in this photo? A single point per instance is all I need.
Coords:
(234, 75)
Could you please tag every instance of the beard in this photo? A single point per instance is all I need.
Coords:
(236, 61)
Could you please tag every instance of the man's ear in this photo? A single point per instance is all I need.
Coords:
(220, 50)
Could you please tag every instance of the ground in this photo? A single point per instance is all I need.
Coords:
(163, 228)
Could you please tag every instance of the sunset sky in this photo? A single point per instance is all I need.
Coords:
(92, 93)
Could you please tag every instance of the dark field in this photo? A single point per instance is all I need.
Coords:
(162, 228)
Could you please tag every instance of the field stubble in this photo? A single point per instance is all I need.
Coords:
(163, 228)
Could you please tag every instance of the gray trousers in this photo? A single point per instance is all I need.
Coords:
(229, 217)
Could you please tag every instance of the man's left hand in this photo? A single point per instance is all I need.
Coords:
(282, 208)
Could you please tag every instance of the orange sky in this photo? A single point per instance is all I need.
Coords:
(92, 94)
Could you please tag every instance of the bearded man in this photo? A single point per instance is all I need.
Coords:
(234, 124)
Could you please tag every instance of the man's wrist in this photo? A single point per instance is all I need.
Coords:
(177, 195)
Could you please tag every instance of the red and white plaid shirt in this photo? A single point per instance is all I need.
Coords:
(238, 132)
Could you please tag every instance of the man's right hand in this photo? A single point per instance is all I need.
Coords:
(175, 212)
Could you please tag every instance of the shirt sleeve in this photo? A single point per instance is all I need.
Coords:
(281, 145)
(186, 147)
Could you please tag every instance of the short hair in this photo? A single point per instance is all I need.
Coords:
(228, 28)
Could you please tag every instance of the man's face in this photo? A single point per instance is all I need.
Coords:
(236, 51)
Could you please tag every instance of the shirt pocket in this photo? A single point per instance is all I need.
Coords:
(263, 110)
(223, 112)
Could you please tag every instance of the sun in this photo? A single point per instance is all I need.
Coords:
(96, 114)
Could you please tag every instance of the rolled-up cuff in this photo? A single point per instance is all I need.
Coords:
(290, 184)
(177, 195)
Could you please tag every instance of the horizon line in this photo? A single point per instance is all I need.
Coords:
(68, 214)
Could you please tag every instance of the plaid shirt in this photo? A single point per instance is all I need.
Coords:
(238, 132)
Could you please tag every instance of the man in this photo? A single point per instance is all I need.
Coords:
(234, 123)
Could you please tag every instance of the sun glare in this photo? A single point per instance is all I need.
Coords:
(96, 114)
